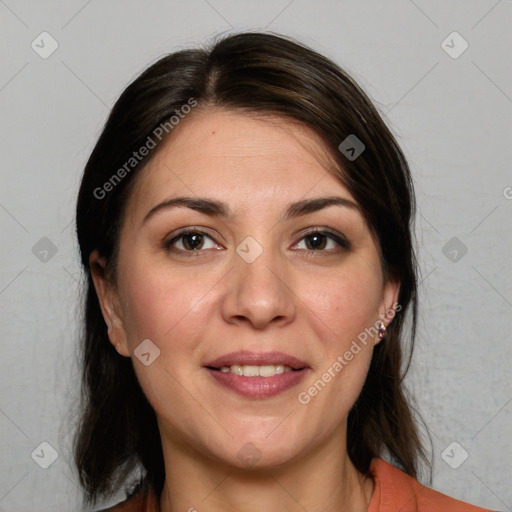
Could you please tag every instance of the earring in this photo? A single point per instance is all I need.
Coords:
(382, 330)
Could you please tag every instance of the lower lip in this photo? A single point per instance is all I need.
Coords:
(258, 387)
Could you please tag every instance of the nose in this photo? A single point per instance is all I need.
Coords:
(260, 292)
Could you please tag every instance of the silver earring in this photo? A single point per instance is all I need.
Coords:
(382, 330)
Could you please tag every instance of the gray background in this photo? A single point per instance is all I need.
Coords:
(452, 117)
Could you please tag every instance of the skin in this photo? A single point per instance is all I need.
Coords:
(307, 302)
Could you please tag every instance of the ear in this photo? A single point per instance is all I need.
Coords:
(389, 305)
(108, 298)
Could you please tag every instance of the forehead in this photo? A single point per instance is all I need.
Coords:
(241, 158)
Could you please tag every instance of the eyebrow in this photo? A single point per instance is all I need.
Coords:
(219, 209)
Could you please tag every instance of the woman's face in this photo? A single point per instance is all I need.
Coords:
(252, 282)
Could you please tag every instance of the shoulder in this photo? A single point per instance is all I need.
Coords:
(396, 490)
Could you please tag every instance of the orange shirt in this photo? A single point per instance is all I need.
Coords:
(394, 491)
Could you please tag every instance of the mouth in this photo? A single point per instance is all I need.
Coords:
(257, 375)
(267, 370)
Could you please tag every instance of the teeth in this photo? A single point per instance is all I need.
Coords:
(257, 371)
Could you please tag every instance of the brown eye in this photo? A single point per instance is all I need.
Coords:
(319, 240)
(189, 241)
(316, 241)
(192, 241)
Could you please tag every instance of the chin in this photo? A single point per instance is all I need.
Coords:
(259, 450)
(258, 457)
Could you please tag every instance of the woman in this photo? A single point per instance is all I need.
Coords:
(245, 224)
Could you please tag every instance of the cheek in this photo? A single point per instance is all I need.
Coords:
(170, 310)
(343, 311)
(344, 303)
(161, 305)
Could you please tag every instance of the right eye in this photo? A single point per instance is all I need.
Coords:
(191, 240)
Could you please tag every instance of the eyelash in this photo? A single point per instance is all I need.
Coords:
(342, 242)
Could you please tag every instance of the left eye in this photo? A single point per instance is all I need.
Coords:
(319, 241)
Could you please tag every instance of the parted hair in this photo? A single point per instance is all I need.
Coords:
(263, 73)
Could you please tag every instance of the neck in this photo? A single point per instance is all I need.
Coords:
(322, 480)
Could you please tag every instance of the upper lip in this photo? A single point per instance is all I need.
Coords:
(245, 357)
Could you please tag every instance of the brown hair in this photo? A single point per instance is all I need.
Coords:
(261, 73)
